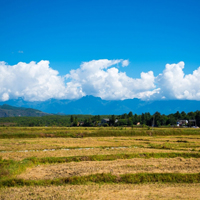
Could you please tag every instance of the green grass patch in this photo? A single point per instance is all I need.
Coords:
(108, 178)
(10, 168)
(110, 157)
(173, 146)
(74, 132)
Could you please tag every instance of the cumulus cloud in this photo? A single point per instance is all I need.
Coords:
(174, 84)
(33, 81)
(101, 78)
(98, 78)
(37, 81)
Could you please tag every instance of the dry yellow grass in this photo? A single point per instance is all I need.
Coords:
(116, 167)
(83, 152)
(140, 144)
(188, 144)
(105, 192)
(57, 143)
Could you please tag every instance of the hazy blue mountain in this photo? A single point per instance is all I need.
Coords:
(12, 111)
(95, 105)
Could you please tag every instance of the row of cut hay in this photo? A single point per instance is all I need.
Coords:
(9, 168)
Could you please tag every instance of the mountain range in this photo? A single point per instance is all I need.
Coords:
(96, 106)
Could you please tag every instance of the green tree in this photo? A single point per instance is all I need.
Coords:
(197, 117)
(177, 115)
(75, 121)
(157, 119)
(72, 119)
(130, 122)
(112, 120)
(130, 114)
(183, 115)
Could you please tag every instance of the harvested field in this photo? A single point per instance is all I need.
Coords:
(83, 152)
(105, 192)
(58, 143)
(164, 165)
(157, 142)
(136, 165)
(19, 149)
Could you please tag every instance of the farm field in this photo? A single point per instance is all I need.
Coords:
(85, 163)
(105, 191)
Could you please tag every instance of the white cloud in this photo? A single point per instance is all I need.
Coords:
(97, 79)
(102, 78)
(5, 96)
(125, 63)
(33, 81)
(38, 82)
(174, 84)
(20, 52)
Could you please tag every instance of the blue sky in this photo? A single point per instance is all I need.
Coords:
(148, 33)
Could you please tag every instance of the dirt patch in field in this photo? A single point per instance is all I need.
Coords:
(104, 192)
(136, 165)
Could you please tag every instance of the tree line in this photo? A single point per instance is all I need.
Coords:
(157, 119)
(126, 119)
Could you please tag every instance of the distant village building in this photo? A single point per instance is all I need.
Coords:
(105, 121)
(80, 123)
(192, 123)
(182, 122)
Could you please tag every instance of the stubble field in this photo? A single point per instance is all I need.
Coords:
(84, 163)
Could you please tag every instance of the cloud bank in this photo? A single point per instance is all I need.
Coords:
(174, 84)
(101, 78)
(33, 81)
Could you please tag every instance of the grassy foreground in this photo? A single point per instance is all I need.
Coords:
(107, 163)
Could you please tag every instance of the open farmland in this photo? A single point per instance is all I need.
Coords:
(99, 163)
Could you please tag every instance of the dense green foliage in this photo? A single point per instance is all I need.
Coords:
(157, 119)
(125, 119)
(50, 120)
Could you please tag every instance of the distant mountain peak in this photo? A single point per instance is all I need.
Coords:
(97, 106)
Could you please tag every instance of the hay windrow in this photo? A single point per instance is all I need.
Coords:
(116, 191)
(115, 167)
